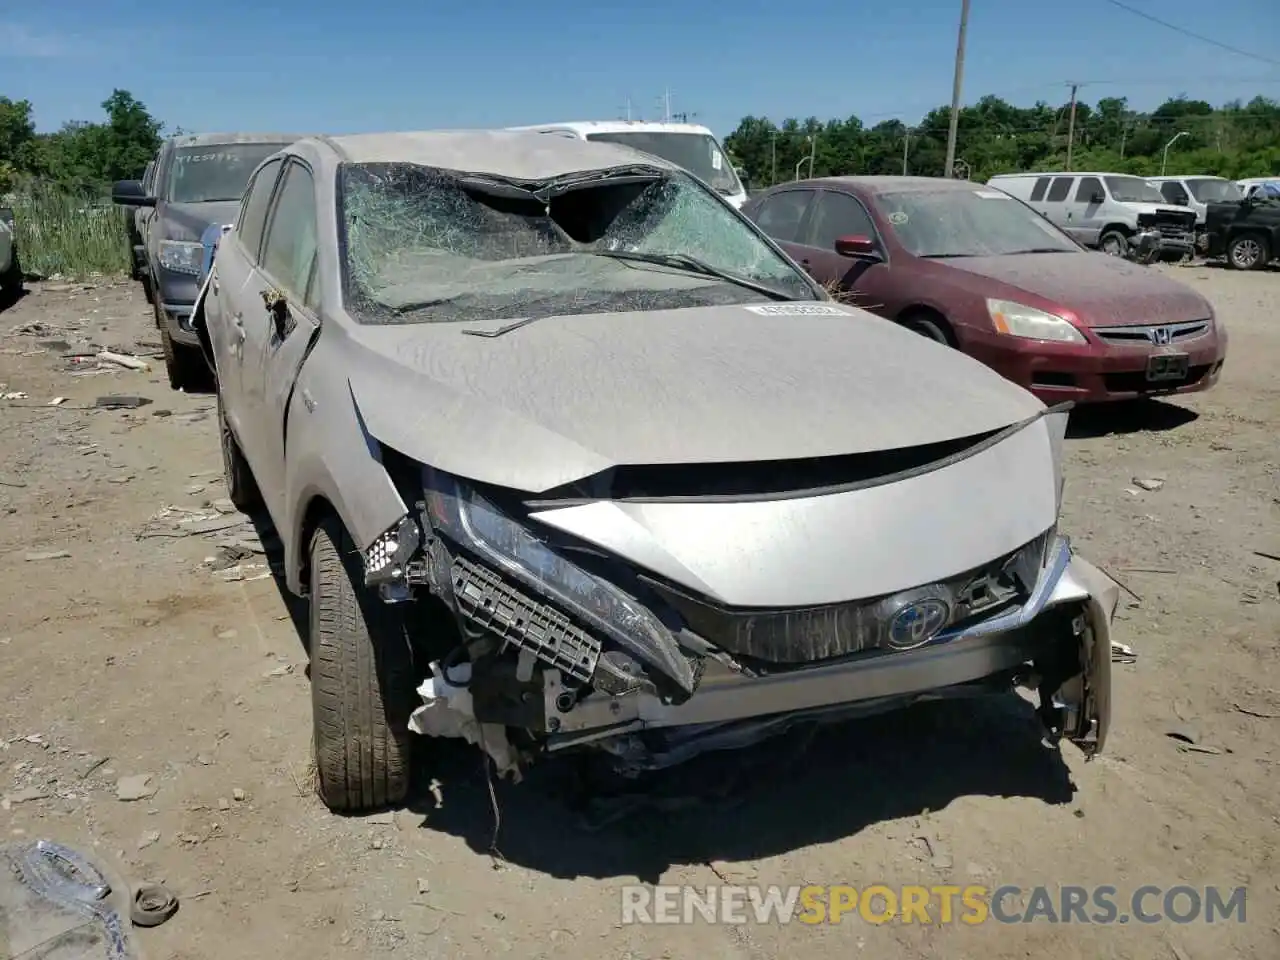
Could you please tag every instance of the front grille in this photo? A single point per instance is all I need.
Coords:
(1153, 333)
(814, 634)
(1172, 224)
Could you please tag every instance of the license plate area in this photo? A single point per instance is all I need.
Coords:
(1168, 366)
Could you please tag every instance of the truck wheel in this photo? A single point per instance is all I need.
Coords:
(1248, 252)
(185, 366)
(362, 688)
(242, 489)
(1114, 243)
(11, 279)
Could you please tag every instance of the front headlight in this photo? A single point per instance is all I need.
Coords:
(474, 522)
(181, 256)
(1019, 320)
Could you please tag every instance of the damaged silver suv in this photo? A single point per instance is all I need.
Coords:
(568, 455)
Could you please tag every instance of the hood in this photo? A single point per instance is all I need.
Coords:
(1141, 206)
(187, 221)
(563, 398)
(1101, 290)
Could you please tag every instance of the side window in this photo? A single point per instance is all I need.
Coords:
(1089, 188)
(1037, 192)
(779, 215)
(838, 215)
(253, 209)
(1061, 187)
(1174, 193)
(289, 254)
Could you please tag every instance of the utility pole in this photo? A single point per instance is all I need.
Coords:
(813, 150)
(666, 106)
(956, 86)
(1071, 124)
(906, 145)
(773, 157)
(1124, 133)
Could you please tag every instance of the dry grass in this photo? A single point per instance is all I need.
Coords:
(69, 233)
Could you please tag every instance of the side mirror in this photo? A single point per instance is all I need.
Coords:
(1098, 197)
(131, 193)
(856, 246)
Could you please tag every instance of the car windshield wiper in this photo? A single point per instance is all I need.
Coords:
(1044, 250)
(691, 264)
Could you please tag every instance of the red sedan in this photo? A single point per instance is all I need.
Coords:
(976, 269)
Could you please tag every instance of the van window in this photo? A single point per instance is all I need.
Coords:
(1037, 192)
(1061, 187)
(1089, 187)
(1173, 192)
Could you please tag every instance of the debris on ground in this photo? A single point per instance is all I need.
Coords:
(39, 556)
(1122, 653)
(124, 360)
(120, 402)
(135, 787)
(1148, 483)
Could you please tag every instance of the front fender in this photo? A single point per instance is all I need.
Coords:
(329, 454)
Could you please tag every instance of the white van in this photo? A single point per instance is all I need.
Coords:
(685, 144)
(1104, 210)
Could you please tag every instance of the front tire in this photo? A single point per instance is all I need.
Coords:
(1248, 252)
(1114, 244)
(184, 365)
(362, 686)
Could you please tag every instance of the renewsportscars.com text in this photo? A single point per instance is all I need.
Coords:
(969, 904)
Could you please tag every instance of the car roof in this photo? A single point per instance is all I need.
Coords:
(519, 155)
(887, 184)
(1074, 173)
(1188, 176)
(617, 126)
(220, 139)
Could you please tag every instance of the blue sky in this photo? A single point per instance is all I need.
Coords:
(319, 65)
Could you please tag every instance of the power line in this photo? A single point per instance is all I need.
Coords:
(1192, 34)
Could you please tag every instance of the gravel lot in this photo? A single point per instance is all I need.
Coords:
(130, 655)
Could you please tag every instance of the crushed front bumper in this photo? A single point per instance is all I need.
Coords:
(1064, 630)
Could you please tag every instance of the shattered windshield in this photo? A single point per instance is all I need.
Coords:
(696, 152)
(425, 245)
(1209, 190)
(1134, 190)
(215, 172)
(969, 223)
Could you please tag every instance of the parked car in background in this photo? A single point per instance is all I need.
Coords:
(1106, 211)
(1261, 187)
(135, 223)
(1246, 232)
(687, 145)
(976, 269)
(10, 268)
(1197, 193)
(197, 180)
(556, 436)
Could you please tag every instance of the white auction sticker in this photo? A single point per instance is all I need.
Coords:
(799, 310)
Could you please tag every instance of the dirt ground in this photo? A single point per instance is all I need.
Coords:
(131, 655)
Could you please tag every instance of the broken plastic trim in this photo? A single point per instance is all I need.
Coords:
(473, 522)
(386, 559)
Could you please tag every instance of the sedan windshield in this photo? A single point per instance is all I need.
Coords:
(215, 172)
(696, 152)
(422, 245)
(1134, 190)
(980, 222)
(1212, 190)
